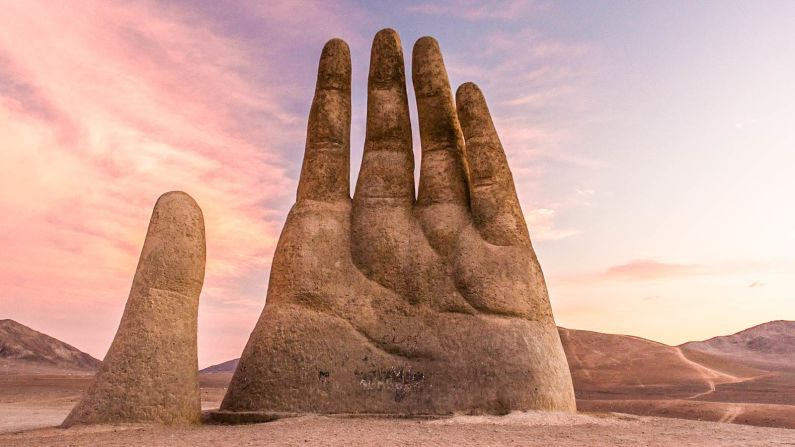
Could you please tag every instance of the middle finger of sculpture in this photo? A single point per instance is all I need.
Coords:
(392, 304)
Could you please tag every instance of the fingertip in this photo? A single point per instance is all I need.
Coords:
(336, 46)
(426, 52)
(180, 209)
(467, 92)
(427, 69)
(473, 112)
(177, 196)
(387, 35)
(425, 44)
(386, 59)
(334, 69)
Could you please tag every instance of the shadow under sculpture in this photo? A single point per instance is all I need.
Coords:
(391, 304)
(150, 373)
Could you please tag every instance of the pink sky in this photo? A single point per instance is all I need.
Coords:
(652, 150)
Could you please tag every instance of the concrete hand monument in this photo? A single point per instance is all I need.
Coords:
(150, 373)
(388, 303)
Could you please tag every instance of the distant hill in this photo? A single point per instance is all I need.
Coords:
(610, 366)
(24, 350)
(225, 367)
(744, 378)
(768, 346)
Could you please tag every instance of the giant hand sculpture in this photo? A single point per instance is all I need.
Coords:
(392, 304)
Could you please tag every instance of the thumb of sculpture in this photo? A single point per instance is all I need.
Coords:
(150, 373)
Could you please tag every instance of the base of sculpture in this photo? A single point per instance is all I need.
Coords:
(258, 417)
(246, 417)
(311, 362)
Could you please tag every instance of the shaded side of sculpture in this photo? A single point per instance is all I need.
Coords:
(150, 371)
(389, 303)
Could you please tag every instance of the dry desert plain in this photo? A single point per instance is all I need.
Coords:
(710, 393)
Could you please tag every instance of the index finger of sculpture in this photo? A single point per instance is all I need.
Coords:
(495, 208)
(325, 174)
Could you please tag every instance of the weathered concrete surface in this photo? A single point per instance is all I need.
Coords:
(391, 304)
(150, 373)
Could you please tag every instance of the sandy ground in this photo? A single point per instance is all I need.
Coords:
(31, 407)
(33, 401)
(44, 400)
(525, 429)
(763, 415)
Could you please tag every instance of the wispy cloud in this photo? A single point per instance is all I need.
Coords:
(101, 113)
(531, 80)
(651, 270)
(645, 269)
(542, 225)
(474, 10)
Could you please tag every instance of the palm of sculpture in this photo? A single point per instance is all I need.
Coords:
(390, 304)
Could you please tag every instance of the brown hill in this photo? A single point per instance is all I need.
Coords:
(615, 366)
(628, 374)
(769, 346)
(24, 350)
(225, 367)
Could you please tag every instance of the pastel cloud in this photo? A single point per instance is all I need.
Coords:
(653, 270)
(542, 226)
(650, 269)
(100, 114)
(474, 10)
(646, 269)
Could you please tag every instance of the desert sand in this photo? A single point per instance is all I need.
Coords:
(562, 429)
(29, 401)
(31, 407)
